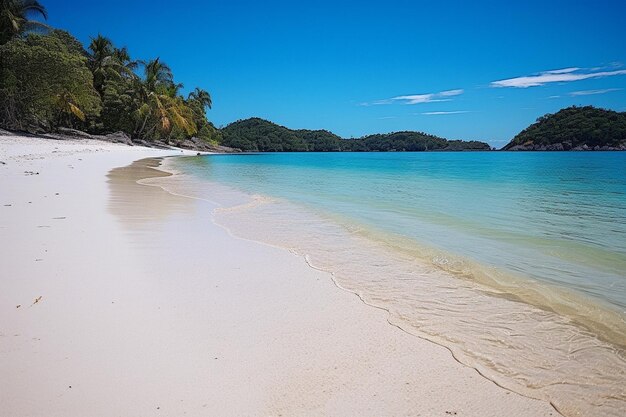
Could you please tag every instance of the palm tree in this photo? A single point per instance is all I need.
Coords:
(107, 62)
(160, 101)
(123, 57)
(102, 62)
(199, 100)
(173, 90)
(157, 74)
(15, 18)
(202, 97)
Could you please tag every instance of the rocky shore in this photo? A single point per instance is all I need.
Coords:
(193, 144)
(565, 146)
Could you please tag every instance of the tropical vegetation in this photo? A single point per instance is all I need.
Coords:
(48, 80)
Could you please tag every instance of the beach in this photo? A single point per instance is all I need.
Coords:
(119, 298)
(308, 210)
(451, 252)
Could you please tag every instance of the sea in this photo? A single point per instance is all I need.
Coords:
(514, 261)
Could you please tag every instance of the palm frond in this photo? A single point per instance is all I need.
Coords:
(67, 104)
(15, 18)
(76, 111)
(35, 26)
(31, 6)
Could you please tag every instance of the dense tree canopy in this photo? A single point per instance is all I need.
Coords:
(44, 83)
(412, 142)
(49, 80)
(260, 135)
(574, 127)
(263, 136)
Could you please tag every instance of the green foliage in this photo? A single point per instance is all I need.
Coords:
(258, 135)
(15, 18)
(162, 113)
(118, 105)
(49, 81)
(41, 77)
(209, 133)
(412, 142)
(463, 145)
(199, 101)
(72, 44)
(102, 63)
(320, 140)
(574, 127)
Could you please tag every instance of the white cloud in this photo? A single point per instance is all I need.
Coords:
(555, 76)
(592, 92)
(439, 113)
(562, 71)
(451, 93)
(418, 98)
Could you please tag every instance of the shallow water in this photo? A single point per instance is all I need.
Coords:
(514, 261)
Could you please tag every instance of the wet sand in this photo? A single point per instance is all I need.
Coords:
(132, 301)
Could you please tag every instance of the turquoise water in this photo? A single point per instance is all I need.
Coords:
(516, 262)
(559, 218)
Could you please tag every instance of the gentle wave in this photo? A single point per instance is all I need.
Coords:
(523, 335)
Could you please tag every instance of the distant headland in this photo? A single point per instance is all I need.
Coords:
(574, 129)
(571, 129)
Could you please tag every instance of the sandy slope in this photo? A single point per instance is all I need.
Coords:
(148, 308)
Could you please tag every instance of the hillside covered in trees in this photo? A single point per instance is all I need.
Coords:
(574, 128)
(258, 135)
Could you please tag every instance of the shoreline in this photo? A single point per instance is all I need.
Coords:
(607, 325)
(171, 173)
(115, 320)
(583, 340)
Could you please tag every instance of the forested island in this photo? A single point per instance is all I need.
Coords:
(574, 128)
(260, 135)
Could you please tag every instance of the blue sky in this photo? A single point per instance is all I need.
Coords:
(479, 70)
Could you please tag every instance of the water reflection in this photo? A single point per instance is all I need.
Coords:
(140, 206)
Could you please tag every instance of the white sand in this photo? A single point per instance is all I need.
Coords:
(149, 309)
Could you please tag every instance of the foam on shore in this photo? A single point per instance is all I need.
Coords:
(519, 342)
